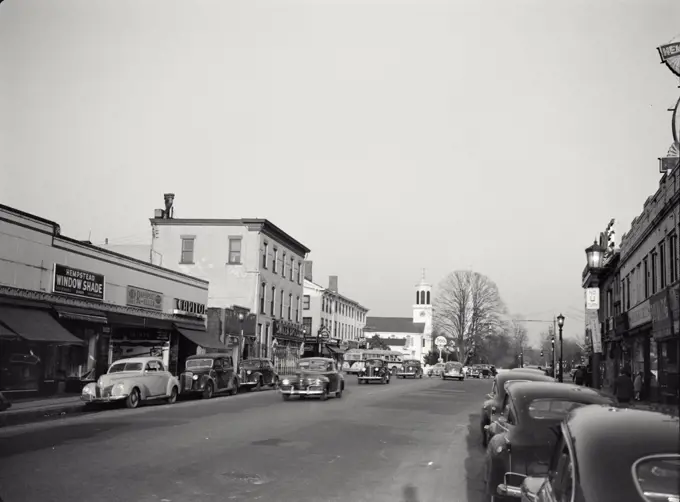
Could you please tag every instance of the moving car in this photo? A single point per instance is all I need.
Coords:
(453, 370)
(492, 405)
(208, 374)
(314, 377)
(411, 368)
(256, 373)
(374, 370)
(606, 454)
(437, 369)
(473, 372)
(131, 381)
(526, 435)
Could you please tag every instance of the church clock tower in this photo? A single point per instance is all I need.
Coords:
(422, 310)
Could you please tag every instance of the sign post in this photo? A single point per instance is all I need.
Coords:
(440, 342)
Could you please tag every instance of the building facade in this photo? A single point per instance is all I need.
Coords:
(68, 309)
(250, 263)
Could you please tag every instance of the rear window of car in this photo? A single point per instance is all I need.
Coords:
(658, 478)
(552, 409)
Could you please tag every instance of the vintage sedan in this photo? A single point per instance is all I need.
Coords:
(453, 370)
(315, 377)
(533, 369)
(208, 374)
(492, 405)
(606, 454)
(411, 368)
(131, 381)
(374, 370)
(436, 370)
(257, 373)
(531, 414)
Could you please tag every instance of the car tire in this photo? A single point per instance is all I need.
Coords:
(324, 396)
(258, 385)
(172, 399)
(133, 399)
(208, 391)
(383, 380)
(338, 394)
(234, 388)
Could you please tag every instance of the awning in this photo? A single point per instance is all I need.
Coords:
(201, 338)
(78, 314)
(335, 350)
(36, 326)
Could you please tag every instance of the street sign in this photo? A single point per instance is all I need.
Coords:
(592, 298)
(440, 341)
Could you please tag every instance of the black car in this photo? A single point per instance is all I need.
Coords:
(208, 374)
(527, 428)
(493, 404)
(410, 368)
(314, 377)
(257, 373)
(374, 370)
(606, 454)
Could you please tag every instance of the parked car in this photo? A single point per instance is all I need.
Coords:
(488, 371)
(133, 380)
(436, 370)
(315, 377)
(453, 370)
(527, 428)
(374, 370)
(411, 368)
(208, 374)
(606, 454)
(492, 405)
(257, 373)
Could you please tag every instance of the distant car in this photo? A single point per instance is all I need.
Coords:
(256, 373)
(527, 428)
(314, 377)
(608, 454)
(492, 406)
(207, 375)
(453, 370)
(375, 370)
(132, 381)
(437, 369)
(474, 372)
(411, 368)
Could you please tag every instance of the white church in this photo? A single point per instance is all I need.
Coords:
(412, 336)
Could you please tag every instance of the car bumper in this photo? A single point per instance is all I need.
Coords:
(371, 377)
(453, 375)
(511, 486)
(408, 373)
(89, 398)
(310, 391)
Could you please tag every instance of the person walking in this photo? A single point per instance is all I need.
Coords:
(637, 385)
(623, 387)
(580, 375)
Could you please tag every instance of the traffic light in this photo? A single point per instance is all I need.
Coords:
(552, 341)
(541, 352)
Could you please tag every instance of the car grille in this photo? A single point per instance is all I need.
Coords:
(103, 391)
(187, 380)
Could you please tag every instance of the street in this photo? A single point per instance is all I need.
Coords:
(411, 440)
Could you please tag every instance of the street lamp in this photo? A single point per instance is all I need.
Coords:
(241, 318)
(560, 324)
(552, 354)
(595, 264)
(595, 256)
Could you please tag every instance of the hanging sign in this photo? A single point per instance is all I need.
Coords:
(592, 298)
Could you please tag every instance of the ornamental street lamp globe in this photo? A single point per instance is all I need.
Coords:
(241, 317)
(560, 321)
(595, 256)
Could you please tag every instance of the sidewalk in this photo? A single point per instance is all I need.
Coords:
(25, 411)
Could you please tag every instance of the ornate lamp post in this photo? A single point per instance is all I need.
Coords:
(595, 256)
(560, 325)
(241, 318)
(552, 354)
(594, 266)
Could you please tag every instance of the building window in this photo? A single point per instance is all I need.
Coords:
(292, 265)
(297, 310)
(281, 306)
(272, 301)
(662, 265)
(275, 261)
(290, 307)
(305, 303)
(654, 276)
(627, 292)
(265, 252)
(187, 255)
(307, 326)
(235, 250)
(427, 298)
(645, 271)
(283, 265)
(263, 297)
(299, 273)
(417, 298)
(673, 256)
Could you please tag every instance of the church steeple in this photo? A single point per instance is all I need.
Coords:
(423, 291)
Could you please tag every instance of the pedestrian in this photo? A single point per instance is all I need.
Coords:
(580, 375)
(623, 387)
(637, 385)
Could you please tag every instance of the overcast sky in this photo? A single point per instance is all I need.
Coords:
(500, 136)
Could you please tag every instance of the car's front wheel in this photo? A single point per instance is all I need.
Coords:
(172, 398)
(133, 399)
(324, 395)
(208, 391)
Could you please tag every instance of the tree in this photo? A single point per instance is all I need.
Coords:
(495, 349)
(378, 343)
(519, 338)
(467, 308)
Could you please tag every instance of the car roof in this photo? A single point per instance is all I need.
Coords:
(138, 360)
(531, 376)
(207, 356)
(524, 393)
(608, 440)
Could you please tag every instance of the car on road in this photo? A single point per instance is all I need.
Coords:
(474, 372)
(256, 373)
(374, 370)
(436, 370)
(527, 429)
(314, 377)
(453, 370)
(132, 381)
(410, 368)
(494, 401)
(605, 454)
(488, 371)
(207, 375)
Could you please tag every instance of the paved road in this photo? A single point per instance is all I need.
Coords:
(409, 441)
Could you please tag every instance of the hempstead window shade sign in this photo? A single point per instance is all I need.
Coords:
(80, 283)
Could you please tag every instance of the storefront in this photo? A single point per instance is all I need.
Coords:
(287, 346)
(636, 344)
(663, 376)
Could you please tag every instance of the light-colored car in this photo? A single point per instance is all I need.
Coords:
(133, 380)
(453, 370)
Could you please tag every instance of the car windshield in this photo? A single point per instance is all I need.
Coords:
(552, 409)
(374, 362)
(453, 366)
(658, 477)
(193, 364)
(118, 367)
(252, 364)
(313, 365)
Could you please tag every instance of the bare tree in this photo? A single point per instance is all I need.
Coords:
(467, 308)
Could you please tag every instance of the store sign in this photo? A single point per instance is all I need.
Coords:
(639, 315)
(188, 308)
(592, 298)
(143, 298)
(80, 283)
(670, 55)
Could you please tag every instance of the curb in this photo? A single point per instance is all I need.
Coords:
(10, 417)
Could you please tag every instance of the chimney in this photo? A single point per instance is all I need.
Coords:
(169, 199)
(333, 283)
(308, 270)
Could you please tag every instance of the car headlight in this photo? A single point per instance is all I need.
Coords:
(87, 390)
(118, 389)
(285, 381)
(248, 372)
(195, 377)
(318, 381)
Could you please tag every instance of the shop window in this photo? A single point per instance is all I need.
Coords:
(187, 253)
(235, 250)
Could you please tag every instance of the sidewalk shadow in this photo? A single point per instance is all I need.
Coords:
(474, 463)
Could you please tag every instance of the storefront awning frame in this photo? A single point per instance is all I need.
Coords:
(36, 325)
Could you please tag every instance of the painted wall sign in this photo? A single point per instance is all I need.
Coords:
(80, 283)
(143, 298)
(640, 314)
(188, 308)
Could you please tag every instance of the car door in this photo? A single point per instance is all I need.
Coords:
(332, 374)
(267, 373)
(153, 376)
(560, 479)
(229, 371)
(218, 368)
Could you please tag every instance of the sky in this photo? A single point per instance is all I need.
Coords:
(386, 136)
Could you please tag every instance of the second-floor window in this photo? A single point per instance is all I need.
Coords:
(305, 303)
(653, 276)
(275, 260)
(297, 310)
(265, 252)
(281, 306)
(672, 257)
(187, 254)
(645, 272)
(292, 266)
(627, 292)
(272, 301)
(299, 273)
(235, 250)
(290, 307)
(283, 265)
(662, 265)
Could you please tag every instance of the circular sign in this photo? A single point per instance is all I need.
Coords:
(440, 341)
(670, 54)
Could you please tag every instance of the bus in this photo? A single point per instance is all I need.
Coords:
(353, 359)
